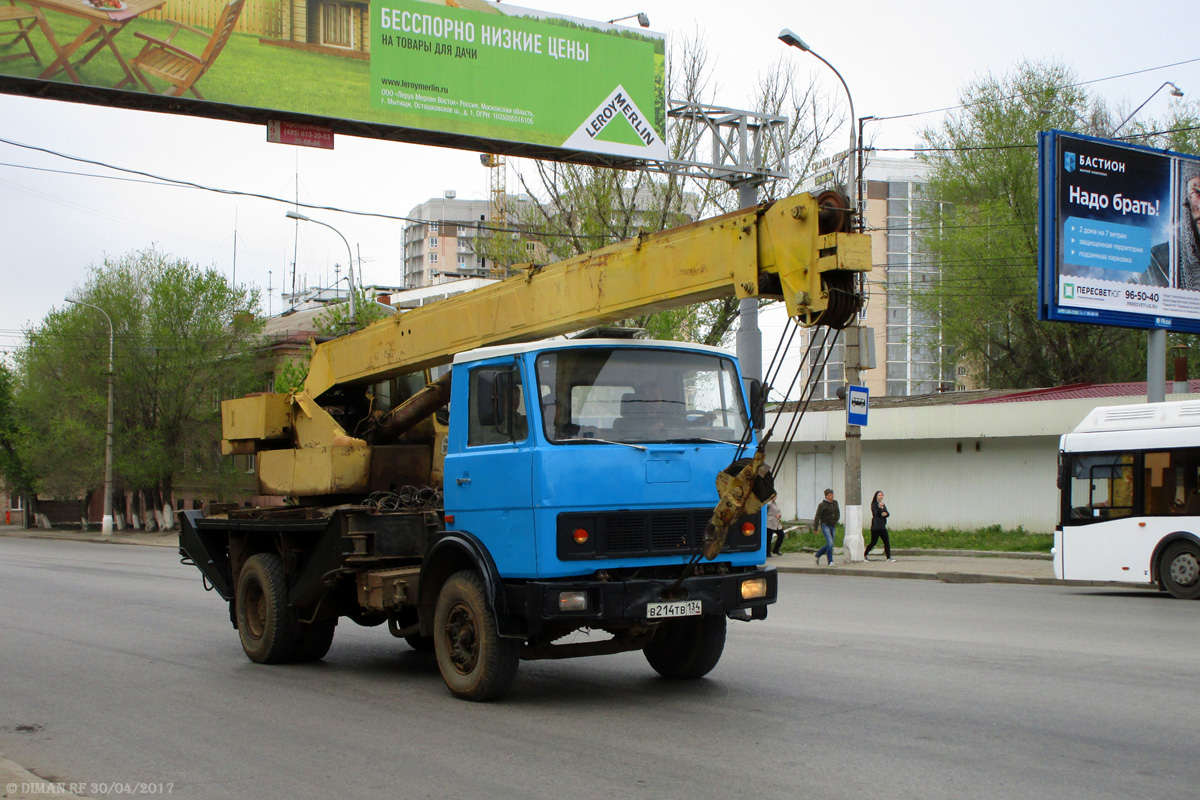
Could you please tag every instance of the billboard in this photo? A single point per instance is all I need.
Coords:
(1119, 232)
(462, 73)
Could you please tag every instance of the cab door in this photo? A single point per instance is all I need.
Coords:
(488, 473)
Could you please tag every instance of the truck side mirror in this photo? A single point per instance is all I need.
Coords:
(493, 399)
(485, 397)
(502, 400)
(758, 402)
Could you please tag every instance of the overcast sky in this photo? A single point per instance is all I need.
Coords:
(898, 58)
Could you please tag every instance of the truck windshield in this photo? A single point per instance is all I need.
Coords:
(627, 394)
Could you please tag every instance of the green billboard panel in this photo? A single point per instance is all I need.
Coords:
(503, 72)
(464, 73)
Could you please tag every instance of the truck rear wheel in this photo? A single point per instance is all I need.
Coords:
(687, 648)
(264, 623)
(313, 640)
(1179, 571)
(475, 661)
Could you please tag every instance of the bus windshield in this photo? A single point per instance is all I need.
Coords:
(635, 395)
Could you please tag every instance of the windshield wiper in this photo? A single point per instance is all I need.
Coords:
(694, 439)
(593, 440)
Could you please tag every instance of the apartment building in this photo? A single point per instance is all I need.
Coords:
(909, 356)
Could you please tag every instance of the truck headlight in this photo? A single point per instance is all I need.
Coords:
(572, 601)
(753, 588)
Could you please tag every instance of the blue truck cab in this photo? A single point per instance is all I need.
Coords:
(584, 473)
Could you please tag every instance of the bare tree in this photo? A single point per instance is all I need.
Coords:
(581, 208)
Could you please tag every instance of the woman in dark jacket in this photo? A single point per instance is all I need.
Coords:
(879, 515)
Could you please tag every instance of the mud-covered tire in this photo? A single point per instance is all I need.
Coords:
(313, 640)
(1179, 570)
(687, 648)
(264, 622)
(475, 661)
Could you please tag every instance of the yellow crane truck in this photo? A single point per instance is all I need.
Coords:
(486, 487)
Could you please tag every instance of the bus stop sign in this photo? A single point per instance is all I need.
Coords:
(857, 402)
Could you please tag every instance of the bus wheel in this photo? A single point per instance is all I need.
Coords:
(1180, 570)
(475, 661)
(687, 648)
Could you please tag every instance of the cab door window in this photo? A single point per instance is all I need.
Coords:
(497, 406)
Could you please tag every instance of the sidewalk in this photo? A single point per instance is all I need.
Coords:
(948, 566)
(156, 538)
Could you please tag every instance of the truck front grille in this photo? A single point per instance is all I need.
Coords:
(625, 534)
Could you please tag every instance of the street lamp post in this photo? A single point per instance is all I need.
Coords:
(792, 40)
(852, 543)
(106, 524)
(1175, 92)
(642, 19)
(1156, 338)
(293, 214)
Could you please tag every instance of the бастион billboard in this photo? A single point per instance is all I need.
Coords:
(1119, 234)
(465, 73)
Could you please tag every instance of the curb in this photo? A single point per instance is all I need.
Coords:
(959, 577)
(161, 539)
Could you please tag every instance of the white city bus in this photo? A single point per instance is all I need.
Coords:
(1129, 481)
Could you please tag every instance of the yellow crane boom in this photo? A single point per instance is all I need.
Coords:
(775, 251)
(785, 250)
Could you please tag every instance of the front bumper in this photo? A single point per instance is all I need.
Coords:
(625, 601)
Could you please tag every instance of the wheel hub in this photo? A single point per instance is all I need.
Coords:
(461, 637)
(1185, 569)
(256, 611)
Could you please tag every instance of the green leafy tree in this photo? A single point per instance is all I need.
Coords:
(184, 340)
(13, 468)
(290, 375)
(982, 237)
(336, 319)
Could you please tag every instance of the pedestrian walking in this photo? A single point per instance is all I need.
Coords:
(774, 528)
(879, 518)
(825, 520)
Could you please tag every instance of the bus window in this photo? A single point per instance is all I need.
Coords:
(1101, 486)
(1170, 483)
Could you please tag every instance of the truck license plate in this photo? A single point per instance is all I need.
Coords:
(686, 608)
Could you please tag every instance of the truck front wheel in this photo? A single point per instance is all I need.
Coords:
(687, 648)
(264, 623)
(475, 661)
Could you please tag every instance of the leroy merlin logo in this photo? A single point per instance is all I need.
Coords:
(620, 127)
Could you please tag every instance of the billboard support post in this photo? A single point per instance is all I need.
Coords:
(1156, 366)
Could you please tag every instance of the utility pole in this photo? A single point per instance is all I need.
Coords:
(749, 335)
(106, 523)
(852, 541)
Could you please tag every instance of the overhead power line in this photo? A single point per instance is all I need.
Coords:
(1013, 97)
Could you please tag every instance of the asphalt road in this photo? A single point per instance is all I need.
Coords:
(117, 668)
